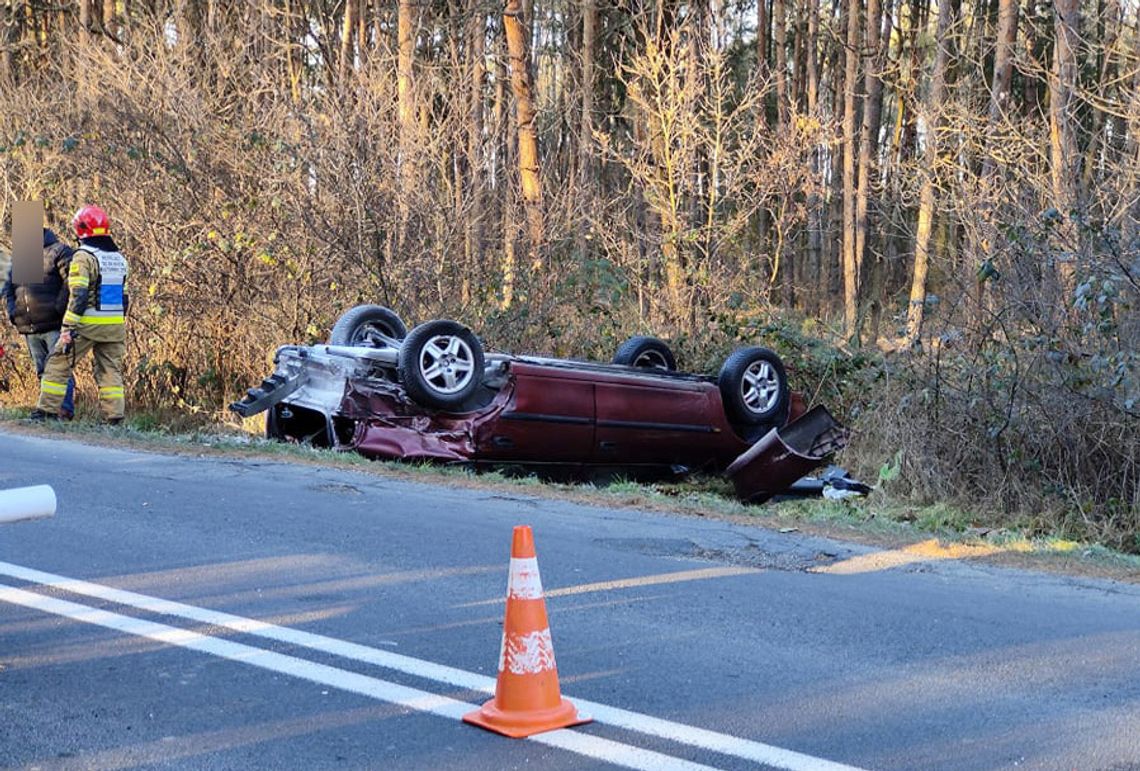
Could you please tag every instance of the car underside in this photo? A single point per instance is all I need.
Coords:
(434, 395)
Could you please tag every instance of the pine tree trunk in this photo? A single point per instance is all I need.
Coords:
(1109, 21)
(780, 44)
(816, 212)
(108, 20)
(1003, 75)
(347, 33)
(981, 248)
(851, 85)
(518, 52)
(868, 138)
(783, 245)
(504, 161)
(405, 112)
(1132, 145)
(474, 240)
(587, 170)
(586, 130)
(406, 43)
(1066, 158)
(762, 27)
(832, 258)
(915, 310)
(7, 26)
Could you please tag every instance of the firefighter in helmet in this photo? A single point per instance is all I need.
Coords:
(93, 321)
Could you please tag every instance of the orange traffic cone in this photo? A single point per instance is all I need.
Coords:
(527, 699)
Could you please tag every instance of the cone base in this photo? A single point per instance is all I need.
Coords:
(521, 724)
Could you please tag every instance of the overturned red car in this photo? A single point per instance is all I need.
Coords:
(436, 394)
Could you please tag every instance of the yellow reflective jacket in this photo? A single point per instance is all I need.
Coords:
(98, 283)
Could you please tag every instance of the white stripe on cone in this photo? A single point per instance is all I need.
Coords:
(524, 583)
(527, 654)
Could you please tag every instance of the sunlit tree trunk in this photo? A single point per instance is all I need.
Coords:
(518, 52)
(505, 154)
(293, 68)
(108, 20)
(347, 33)
(1062, 128)
(851, 85)
(363, 26)
(934, 120)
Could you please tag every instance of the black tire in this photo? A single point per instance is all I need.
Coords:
(647, 352)
(754, 386)
(441, 364)
(273, 425)
(367, 325)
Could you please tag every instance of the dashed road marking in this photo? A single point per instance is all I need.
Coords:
(629, 583)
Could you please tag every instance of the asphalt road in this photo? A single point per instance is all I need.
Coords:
(206, 613)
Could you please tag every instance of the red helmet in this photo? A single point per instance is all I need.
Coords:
(91, 221)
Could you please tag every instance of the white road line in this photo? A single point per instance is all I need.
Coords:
(412, 698)
(633, 721)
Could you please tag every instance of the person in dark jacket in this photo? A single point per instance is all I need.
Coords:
(37, 310)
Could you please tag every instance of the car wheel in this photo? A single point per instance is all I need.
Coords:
(647, 352)
(754, 385)
(441, 364)
(370, 326)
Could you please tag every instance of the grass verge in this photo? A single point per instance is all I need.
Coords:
(872, 521)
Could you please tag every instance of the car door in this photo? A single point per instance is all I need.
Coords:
(549, 418)
(656, 420)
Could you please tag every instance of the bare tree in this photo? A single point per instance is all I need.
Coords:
(934, 113)
(869, 135)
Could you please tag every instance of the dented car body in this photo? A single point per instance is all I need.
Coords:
(640, 417)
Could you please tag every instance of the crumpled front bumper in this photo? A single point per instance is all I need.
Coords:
(786, 454)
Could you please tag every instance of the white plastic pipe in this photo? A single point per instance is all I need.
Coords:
(23, 503)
